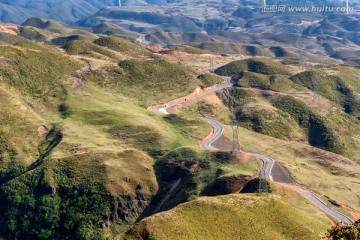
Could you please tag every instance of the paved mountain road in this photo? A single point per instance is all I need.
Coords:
(218, 131)
(227, 83)
(269, 163)
(331, 212)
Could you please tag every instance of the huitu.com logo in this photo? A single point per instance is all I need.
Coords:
(306, 9)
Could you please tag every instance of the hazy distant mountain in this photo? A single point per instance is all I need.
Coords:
(17, 11)
(178, 22)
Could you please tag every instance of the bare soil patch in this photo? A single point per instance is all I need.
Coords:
(223, 143)
(281, 174)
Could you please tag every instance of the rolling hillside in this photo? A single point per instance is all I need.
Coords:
(81, 156)
(67, 154)
(229, 216)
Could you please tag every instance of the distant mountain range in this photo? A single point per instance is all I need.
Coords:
(218, 25)
(17, 11)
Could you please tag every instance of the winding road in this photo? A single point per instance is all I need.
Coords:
(227, 83)
(218, 131)
(269, 163)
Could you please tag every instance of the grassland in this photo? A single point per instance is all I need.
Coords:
(204, 108)
(26, 92)
(19, 137)
(6, 38)
(123, 46)
(209, 80)
(148, 81)
(87, 48)
(332, 87)
(31, 33)
(105, 154)
(40, 76)
(108, 142)
(229, 217)
(333, 117)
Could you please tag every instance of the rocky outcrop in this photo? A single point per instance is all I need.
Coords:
(128, 208)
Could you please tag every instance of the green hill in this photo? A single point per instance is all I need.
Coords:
(148, 81)
(123, 46)
(87, 48)
(256, 65)
(231, 217)
(331, 87)
(32, 71)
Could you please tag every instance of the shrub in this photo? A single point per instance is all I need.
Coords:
(347, 232)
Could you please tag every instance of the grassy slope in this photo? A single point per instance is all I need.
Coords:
(116, 119)
(87, 48)
(256, 65)
(148, 81)
(341, 90)
(108, 141)
(24, 81)
(123, 46)
(229, 217)
(19, 138)
(209, 80)
(199, 169)
(39, 75)
(257, 114)
(334, 116)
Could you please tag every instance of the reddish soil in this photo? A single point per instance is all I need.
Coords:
(156, 49)
(11, 29)
(42, 130)
(354, 214)
(178, 57)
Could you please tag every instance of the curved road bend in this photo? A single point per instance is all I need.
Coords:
(269, 163)
(227, 83)
(218, 131)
